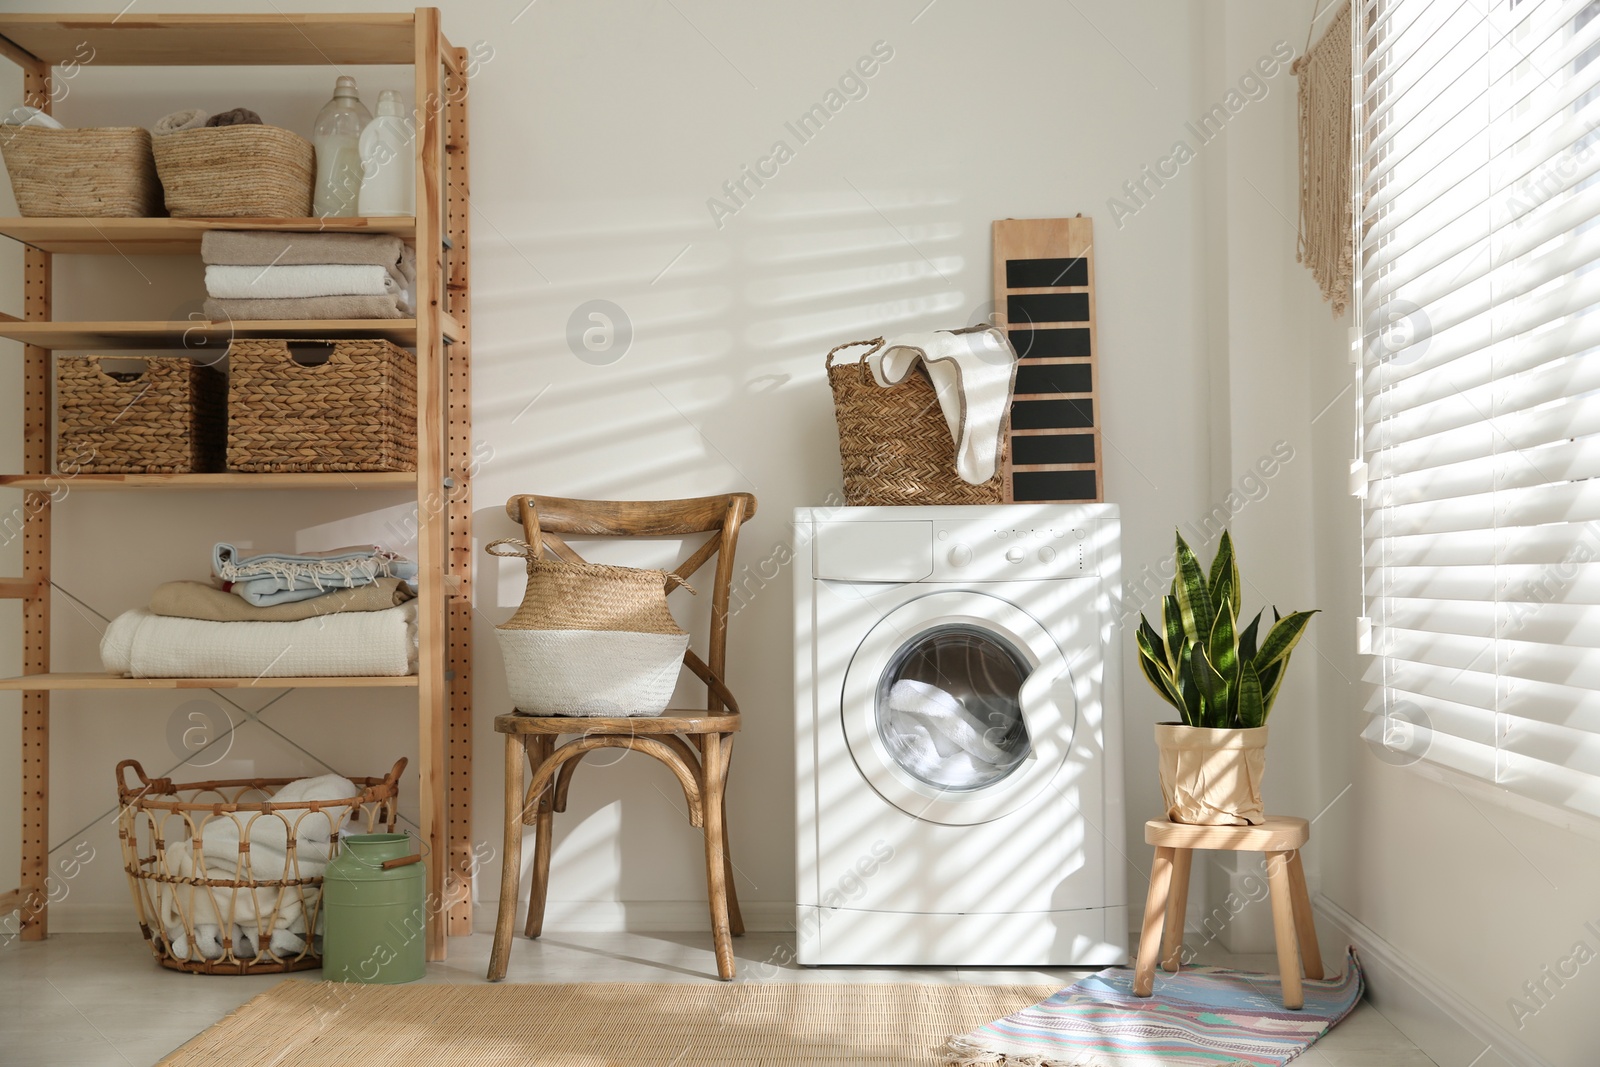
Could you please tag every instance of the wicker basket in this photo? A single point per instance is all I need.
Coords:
(894, 443)
(231, 171)
(94, 173)
(170, 418)
(227, 881)
(354, 412)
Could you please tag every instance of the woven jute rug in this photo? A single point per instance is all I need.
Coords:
(312, 1024)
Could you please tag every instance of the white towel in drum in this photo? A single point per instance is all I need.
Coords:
(292, 281)
(146, 645)
(973, 371)
(950, 725)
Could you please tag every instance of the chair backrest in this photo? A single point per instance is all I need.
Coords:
(545, 519)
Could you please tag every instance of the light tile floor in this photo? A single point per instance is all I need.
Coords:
(99, 1000)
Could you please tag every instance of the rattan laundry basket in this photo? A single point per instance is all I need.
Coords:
(169, 418)
(92, 173)
(355, 411)
(231, 908)
(232, 171)
(894, 444)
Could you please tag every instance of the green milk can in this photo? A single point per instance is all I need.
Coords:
(374, 912)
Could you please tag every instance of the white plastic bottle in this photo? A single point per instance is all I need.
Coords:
(388, 160)
(337, 139)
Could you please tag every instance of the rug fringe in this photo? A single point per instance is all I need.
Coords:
(960, 1053)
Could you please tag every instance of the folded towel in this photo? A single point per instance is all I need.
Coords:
(973, 371)
(200, 600)
(373, 643)
(299, 280)
(239, 116)
(244, 248)
(261, 578)
(190, 118)
(30, 116)
(309, 307)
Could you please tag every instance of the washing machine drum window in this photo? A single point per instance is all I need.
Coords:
(949, 708)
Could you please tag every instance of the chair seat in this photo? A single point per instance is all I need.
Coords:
(671, 721)
(1277, 833)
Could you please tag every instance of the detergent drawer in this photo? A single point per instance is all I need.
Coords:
(873, 551)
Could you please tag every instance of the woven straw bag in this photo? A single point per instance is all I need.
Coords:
(590, 639)
(236, 171)
(894, 444)
(95, 173)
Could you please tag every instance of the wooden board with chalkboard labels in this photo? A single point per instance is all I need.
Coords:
(1044, 299)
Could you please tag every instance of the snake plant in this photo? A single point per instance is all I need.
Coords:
(1200, 661)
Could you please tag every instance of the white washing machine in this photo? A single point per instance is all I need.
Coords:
(957, 735)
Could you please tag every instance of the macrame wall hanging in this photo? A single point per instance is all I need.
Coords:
(1325, 202)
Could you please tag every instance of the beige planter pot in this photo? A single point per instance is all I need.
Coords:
(1212, 777)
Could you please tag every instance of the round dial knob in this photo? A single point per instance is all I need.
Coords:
(1015, 555)
(960, 555)
(1046, 554)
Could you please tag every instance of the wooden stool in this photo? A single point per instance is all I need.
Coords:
(1281, 838)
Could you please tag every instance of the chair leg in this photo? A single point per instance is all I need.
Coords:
(510, 861)
(541, 749)
(1283, 929)
(1177, 904)
(1155, 910)
(1305, 924)
(735, 918)
(716, 866)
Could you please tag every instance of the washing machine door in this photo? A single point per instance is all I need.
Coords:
(958, 707)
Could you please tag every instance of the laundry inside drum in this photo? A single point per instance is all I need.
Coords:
(949, 708)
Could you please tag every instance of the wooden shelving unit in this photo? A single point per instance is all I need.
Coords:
(439, 334)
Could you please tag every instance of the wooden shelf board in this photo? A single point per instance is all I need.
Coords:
(211, 336)
(273, 39)
(56, 681)
(329, 480)
(167, 237)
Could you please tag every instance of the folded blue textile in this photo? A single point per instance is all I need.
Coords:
(285, 577)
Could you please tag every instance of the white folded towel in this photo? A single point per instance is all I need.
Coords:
(190, 118)
(973, 371)
(144, 645)
(23, 115)
(293, 281)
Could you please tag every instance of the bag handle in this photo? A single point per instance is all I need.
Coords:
(861, 360)
(516, 547)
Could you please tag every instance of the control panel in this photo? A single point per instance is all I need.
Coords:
(978, 546)
(978, 551)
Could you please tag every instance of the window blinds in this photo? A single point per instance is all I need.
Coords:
(1478, 178)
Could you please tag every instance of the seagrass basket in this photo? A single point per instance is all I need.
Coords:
(225, 879)
(94, 173)
(291, 409)
(169, 418)
(894, 444)
(232, 171)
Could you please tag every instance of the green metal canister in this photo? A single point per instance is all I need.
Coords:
(374, 911)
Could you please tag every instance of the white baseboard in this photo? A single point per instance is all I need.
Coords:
(1433, 1016)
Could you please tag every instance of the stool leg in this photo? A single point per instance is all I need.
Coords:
(510, 861)
(1283, 929)
(1305, 924)
(1177, 904)
(1155, 910)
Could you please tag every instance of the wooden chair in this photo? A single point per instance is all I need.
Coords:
(695, 744)
(1281, 838)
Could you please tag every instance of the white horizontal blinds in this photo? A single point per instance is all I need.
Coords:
(1478, 144)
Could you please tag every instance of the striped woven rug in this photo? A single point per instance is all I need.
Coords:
(1199, 1017)
(325, 1024)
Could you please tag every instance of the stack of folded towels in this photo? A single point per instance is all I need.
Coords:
(307, 276)
(275, 615)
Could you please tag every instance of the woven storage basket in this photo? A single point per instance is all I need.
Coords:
(894, 443)
(227, 881)
(232, 171)
(355, 412)
(590, 639)
(170, 418)
(94, 173)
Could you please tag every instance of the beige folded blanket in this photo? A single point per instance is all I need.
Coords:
(200, 600)
(306, 307)
(245, 248)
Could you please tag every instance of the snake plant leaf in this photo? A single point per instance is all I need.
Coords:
(1224, 644)
(1252, 710)
(1281, 639)
(1213, 687)
(1189, 693)
(1155, 673)
(1271, 679)
(1194, 599)
(1225, 567)
(1247, 640)
(1172, 619)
